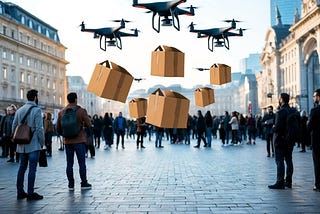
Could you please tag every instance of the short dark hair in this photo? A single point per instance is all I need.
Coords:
(31, 94)
(285, 97)
(270, 107)
(71, 97)
(317, 91)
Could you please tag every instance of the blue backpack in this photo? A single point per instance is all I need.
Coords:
(69, 123)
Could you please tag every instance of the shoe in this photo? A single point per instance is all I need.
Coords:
(268, 155)
(142, 147)
(205, 145)
(254, 143)
(276, 186)
(10, 160)
(160, 146)
(71, 188)
(197, 146)
(288, 185)
(22, 195)
(34, 196)
(316, 189)
(85, 186)
(123, 147)
(302, 150)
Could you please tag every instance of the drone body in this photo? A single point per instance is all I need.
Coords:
(218, 37)
(169, 10)
(114, 34)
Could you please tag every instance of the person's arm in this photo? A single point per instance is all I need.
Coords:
(310, 123)
(39, 129)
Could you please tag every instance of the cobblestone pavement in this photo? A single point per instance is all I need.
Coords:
(175, 179)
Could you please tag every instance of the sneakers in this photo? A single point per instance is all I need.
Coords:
(22, 195)
(277, 186)
(10, 160)
(34, 196)
(85, 186)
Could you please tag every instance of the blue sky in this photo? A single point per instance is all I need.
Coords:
(83, 51)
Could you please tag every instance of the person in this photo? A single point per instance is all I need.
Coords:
(141, 131)
(283, 149)
(304, 133)
(120, 125)
(97, 129)
(209, 125)
(251, 127)
(76, 145)
(234, 127)
(4, 145)
(48, 132)
(90, 148)
(29, 153)
(227, 126)
(314, 130)
(267, 122)
(201, 127)
(242, 127)
(7, 134)
(107, 130)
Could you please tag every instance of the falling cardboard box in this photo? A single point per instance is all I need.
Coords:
(204, 96)
(167, 110)
(110, 81)
(138, 107)
(220, 74)
(167, 62)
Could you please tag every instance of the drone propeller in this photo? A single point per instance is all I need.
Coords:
(202, 69)
(191, 24)
(149, 11)
(120, 20)
(191, 7)
(135, 29)
(231, 20)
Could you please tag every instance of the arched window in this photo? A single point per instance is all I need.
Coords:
(313, 66)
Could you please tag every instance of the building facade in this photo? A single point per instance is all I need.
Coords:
(290, 59)
(31, 57)
(288, 9)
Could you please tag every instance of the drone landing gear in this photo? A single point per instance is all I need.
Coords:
(167, 21)
(210, 44)
(103, 44)
(175, 17)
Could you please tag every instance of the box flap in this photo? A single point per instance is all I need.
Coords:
(166, 48)
(158, 92)
(170, 93)
(218, 65)
(119, 68)
(137, 99)
(106, 63)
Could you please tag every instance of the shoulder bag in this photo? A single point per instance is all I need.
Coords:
(23, 133)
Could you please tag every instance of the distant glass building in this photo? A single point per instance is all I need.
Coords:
(251, 64)
(287, 10)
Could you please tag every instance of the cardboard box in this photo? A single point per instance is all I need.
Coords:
(110, 81)
(204, 96)
(138, 107)
(167, 62)
(167, 110)
(220, 74)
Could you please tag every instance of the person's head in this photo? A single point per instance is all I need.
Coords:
(11, 109)
(120, 114)
(199, 113)
(270, 109)
(48, 116)
(226, 113)
(95, 116)
(284, 98)
(72, 97)
(303, 113)
(32, 95)
(316, 96)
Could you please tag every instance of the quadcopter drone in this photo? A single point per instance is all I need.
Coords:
(166, 10)
(220, 35)
(138, 79)
(114, 34)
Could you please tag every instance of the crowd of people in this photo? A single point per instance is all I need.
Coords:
(97, 131)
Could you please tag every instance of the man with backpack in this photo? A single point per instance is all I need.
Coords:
(70, 124)
(283, 145)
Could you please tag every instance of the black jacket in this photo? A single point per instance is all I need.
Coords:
(314, 127)
(279, 127)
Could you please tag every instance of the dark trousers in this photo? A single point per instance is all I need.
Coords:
(316, 165)
(120, 133)
(284, 154)
(80, 151)
(269, 138)
(201, 137)
(140, 136)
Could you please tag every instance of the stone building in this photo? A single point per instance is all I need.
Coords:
(31, 56)
(290, 59)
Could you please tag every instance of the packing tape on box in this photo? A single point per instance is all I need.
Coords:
(176, 113)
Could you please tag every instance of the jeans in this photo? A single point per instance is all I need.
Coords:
(284, 154)
(209, 135)
(120, 133)
(158, 138)
(32, 158)
(80, 150)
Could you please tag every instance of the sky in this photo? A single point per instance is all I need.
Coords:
(83, 52)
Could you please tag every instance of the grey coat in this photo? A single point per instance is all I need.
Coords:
(35, 121)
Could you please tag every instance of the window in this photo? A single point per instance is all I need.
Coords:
(28, 62)
(21, 93)
(35, 80)
(12, 56)
(20, 37)
(4, 54)
(28, 78)
(4, 69)
(4, 30)
(22, 76)
(23, 20)
(12, 34)
(39, 29)
(48, 83)
(13, 73)
(30, 23)
(20, 59)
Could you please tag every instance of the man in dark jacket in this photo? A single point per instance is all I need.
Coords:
(283, 148)
(314, 130)
(268, 121)
(201, 128)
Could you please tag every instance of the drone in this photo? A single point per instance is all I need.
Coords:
(138, 79)
(202, 69)
(220, 35)
(114, 34)
(166, 10)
